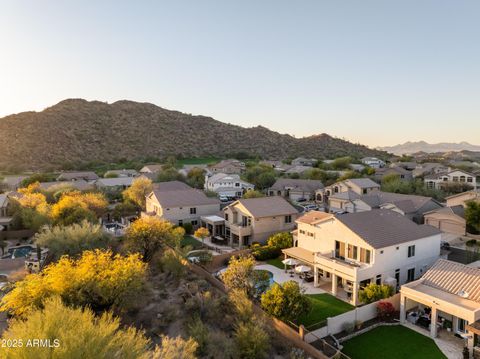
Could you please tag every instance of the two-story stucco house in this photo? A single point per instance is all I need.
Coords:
(228, 166)
(349, 251)
(179, 203)
(228, 185)
(373, 162)
(256, 219)
(295, 189)
(443, 180)
(340, 193)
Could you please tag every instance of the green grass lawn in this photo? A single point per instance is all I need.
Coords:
(323, 306)
(277, 262)
(395, 342)
(197, 161)
(191, 241)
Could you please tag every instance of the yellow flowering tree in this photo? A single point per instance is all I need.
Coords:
(137, 192)
(98, 279)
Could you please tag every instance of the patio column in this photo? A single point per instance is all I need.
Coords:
(470, 340)
(334, 284)
(315, 277)
(355, 293)
(403, 308)
(433, 322)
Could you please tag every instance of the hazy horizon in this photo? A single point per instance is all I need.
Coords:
(375, 73)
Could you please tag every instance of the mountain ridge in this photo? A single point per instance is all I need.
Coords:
(411, 147)
(78, 131)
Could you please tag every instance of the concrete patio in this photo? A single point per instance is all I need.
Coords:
(279, 276)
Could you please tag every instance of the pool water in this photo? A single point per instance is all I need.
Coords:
(264, 279)
(19, 252)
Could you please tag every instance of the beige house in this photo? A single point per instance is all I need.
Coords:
(441, 180)
(154, 169)
(349, 251)
(179, 203)
(448, 219)
(343, 192)
(256, 219)
(461, 199)
(447, 295)
(295, 189)
(228, 166)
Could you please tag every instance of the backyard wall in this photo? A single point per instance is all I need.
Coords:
(222, 259)
(363, 313)
(24, 233)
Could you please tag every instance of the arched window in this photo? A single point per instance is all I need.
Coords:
(335, 189)
(319, 197)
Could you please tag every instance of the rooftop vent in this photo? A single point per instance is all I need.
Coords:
(463, 294)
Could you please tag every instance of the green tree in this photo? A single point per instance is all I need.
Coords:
(196, 178)
(261, 176)
(281, 240)
(253, 194)
(78, 334)
(97, 279)
(373, 292)
(138, 191)
(170, 174)
(286, 301)
(72, 240)
(341, 163)
(472, 216)
(147, 235)
(37, 177)
(241, 275)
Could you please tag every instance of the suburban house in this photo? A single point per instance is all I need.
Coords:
(5, 220)
(349, 251)
(179, 203)
(117, 183)
(298, 169)
(151, 169)
(295, 189)
(256, 219)
(343, 192)
(278, 166)
(302, 161)
(228, 166)
(13, 183)
(87, 176)
(412, 206)
(373, 162)
(428, 168)
(448, 219)
(228, 185)
(80, 185)
(446, 296)
(462, 198)
(401, 172)
(444, 179)
(120, 173)
(410, 166)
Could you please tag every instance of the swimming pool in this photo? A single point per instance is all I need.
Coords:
(264, 280)
(18, 252)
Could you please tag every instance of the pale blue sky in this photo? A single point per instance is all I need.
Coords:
(376, 72)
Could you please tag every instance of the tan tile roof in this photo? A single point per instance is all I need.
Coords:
(178, 194)
(313, 217)
(454, 278)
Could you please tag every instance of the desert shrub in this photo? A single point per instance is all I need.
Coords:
(176, 348)
(200, 333)
(385, 310)
(251, 340)
(286, 301)
(173, 263)
(264, 253)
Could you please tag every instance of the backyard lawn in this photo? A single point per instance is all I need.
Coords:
(277, 262)
(392, 342)
(191, 241)
(323, 306)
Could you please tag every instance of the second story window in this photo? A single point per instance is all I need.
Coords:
(193, 210)
(288, 219)
(226, 216)
(352, 251)
(411, 251)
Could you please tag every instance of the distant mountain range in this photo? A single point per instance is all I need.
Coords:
(77, 131)
(422, 146)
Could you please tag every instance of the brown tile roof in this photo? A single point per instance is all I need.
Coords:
(267, 206)
(383, 228)
(178, 194)
(454, 278)
(85, 175)
(362, 182)
(314, 217)
(297, 184)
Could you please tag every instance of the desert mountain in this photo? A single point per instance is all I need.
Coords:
(77, 131)
(422, 146)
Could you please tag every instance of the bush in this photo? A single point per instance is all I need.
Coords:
(385, 310)
(348, 327)
(188, 228)
(251, 340)
(287, 302)
(373, 292)
(281, 240)
(264, 253)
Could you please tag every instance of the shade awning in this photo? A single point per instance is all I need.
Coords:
(301, 254)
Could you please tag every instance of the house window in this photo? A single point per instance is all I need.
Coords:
(462, 178)
(411, 251)
(378, 279)
(335, 189)
(193, 210)
(469, 179)
(237, 184)
(461, 325)
(302, 231)
(364, 255)
(352, 251)
(226, 216)
(455, 178)
(397, 277)
(411, 274)
(364, 191)
(180, 222)
(194, 223)
(288, 219)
